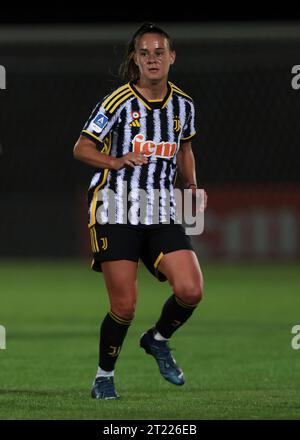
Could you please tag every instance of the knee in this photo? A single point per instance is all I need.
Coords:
(124, 309)
(189, 291)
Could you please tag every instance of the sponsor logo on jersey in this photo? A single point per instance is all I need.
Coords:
(99, 122)
(135, 123)
(165, 150)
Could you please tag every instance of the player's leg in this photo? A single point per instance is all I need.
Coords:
(116, 253)
(120, 279)
(172, 258)
(182, 270)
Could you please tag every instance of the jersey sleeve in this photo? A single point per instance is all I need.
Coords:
(99, 124)
(189, 130)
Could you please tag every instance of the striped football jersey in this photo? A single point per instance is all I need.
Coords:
(125, 121)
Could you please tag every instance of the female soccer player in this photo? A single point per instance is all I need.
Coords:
(137, 137)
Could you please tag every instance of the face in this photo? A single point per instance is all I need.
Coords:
(153, 57)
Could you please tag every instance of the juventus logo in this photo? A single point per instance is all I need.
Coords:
(176, 123)
(114, 351)
(104, 243)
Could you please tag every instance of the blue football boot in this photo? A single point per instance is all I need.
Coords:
(162, 354)
(104, 388)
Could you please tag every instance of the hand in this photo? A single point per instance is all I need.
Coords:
(132, 159)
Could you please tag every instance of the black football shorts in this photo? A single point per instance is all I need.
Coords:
(122, 242)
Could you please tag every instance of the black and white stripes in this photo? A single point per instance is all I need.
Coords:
(123, 122)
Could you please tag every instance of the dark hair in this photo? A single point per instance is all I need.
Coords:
(128, 69)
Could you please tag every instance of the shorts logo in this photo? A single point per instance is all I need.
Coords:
(100, 122)
(165, 150)
(104, 243)
(176, 123)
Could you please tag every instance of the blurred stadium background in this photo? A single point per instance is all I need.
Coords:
(247, 154)
(248, 134)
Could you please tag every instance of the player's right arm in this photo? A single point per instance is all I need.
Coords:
(86, 151)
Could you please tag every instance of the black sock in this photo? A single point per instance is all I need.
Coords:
(174, 314)
(112, 334)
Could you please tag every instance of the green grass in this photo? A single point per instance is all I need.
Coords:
(235, 350)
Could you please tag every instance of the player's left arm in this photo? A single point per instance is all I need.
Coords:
(186, 164)
(186, 167)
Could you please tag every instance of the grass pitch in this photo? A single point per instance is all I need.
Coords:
(235, 350)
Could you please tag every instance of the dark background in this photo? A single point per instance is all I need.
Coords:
(60, 62)
(92, 12)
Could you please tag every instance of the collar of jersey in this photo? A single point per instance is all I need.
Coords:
(152, 105)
